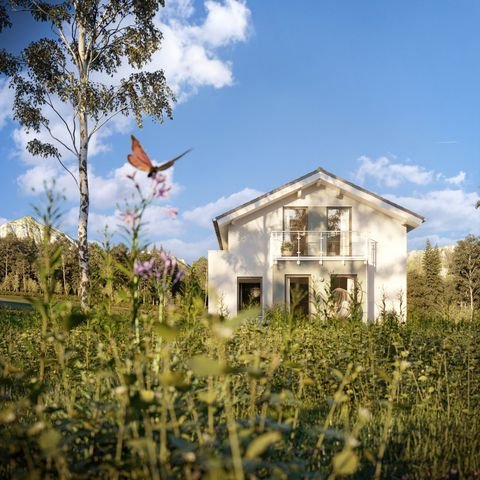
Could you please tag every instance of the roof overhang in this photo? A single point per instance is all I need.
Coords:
(320, 177)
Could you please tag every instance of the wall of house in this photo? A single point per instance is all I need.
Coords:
(249, 252)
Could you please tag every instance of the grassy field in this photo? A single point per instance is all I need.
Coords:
(197, 397)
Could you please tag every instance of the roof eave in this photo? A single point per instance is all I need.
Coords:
(217, 232)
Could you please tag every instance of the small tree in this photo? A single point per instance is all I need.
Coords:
(466, 270)
(433, 288)
(86, 39)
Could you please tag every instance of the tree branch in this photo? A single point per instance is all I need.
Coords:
(50, 103)
(99, 124)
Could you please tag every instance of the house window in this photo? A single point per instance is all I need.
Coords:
(298, 295)
(249, 292)
(339, 226)
(295, 228)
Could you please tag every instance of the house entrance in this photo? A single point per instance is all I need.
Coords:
(298, 295)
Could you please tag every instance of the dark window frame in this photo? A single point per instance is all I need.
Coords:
(288, 278)
(246, 280)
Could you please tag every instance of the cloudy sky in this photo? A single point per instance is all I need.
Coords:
(384, 94)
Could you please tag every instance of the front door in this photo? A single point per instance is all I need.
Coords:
(298, 295)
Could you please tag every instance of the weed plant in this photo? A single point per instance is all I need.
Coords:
(171, 392)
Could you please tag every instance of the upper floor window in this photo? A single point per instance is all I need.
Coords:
(339, 219)
(339, 223)
(295, 227)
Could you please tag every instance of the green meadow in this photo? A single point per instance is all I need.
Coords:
(195, 396)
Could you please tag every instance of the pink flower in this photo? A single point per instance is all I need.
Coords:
(160, 187)
(131, 176)
(161, 191)
(172, 212)
(130, 217)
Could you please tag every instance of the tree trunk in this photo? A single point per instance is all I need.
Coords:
(83, 212)
(83, 174)
(470, 288)
(63, 274)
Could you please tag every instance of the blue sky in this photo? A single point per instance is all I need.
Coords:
(384, 94)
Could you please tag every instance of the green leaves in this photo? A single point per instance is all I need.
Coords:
(202, 366)
(261, 443)
(49, 441)
(345, 463)
(165, 332)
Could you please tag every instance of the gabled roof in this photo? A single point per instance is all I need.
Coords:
(410, 219)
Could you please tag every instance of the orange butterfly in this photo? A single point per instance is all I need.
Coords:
(139, 159)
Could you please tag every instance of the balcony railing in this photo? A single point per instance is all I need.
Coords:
(316, 245)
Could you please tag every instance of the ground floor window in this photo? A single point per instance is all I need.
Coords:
(298, 295)
(249, 292)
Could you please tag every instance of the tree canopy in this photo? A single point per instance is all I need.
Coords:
(76, 64)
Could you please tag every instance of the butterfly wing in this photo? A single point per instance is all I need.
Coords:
(138, 158)
(166, 165)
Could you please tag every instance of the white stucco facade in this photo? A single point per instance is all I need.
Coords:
(249, 250)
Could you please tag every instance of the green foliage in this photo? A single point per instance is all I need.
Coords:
(336, 399)
(433, 282)
(466, 271)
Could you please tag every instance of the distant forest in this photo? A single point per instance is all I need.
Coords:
(19, 270)
(435, 288)
(448, 289)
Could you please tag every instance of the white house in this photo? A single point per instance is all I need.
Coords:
(312, 233)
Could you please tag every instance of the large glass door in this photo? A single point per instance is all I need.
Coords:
(295, 228)
(298, 295)
(339, 221)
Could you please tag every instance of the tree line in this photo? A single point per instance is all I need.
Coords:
(19, 271)
(450, 291)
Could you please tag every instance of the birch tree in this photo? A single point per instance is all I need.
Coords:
(87, 40)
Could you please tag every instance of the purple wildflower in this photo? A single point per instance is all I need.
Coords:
(179, 276)
(144, 269)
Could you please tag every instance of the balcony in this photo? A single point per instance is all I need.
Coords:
(316, 245)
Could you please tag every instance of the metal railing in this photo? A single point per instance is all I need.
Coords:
(315, 245)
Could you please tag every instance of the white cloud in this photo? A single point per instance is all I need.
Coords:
(188, 250)
(203, 215)
(449, 213)
(2, 221)
(6, 102)
(418, 242)
(189, 54)
(391, 174)
(226, 23)
(457, 179)
(105, 192)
